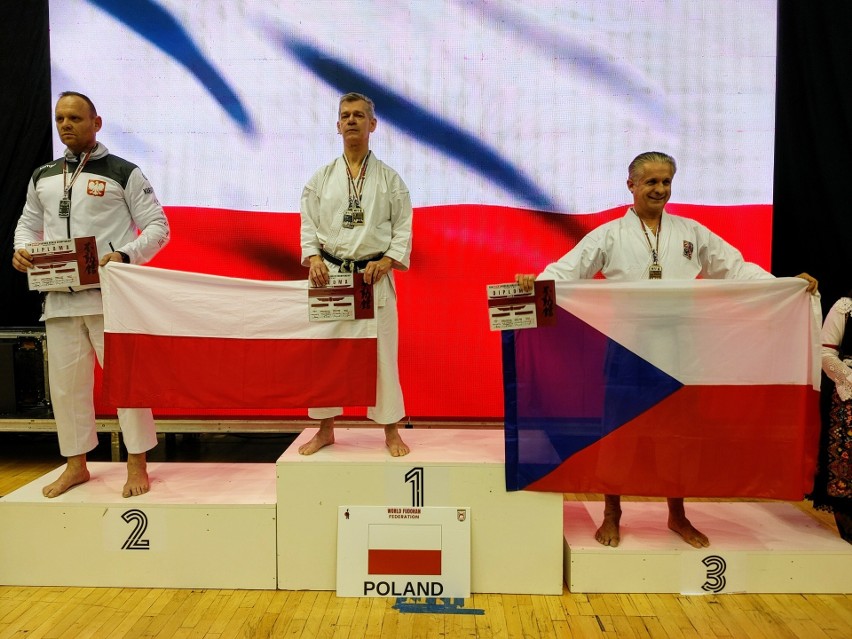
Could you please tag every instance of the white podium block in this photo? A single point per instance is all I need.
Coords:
(516, 544)
(200, 526)
(755, 547)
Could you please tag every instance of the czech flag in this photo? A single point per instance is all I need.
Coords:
(699, 388)
(188, 340)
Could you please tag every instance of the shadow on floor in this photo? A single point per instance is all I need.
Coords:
(195, 447)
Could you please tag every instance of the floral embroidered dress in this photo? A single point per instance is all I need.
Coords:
(833, 483)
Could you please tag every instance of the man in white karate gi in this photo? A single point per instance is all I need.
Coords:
(357, 217)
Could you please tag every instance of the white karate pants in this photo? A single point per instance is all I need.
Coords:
(72, 345)
(390, 407)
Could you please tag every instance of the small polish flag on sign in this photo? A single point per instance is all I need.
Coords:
(403, 551)
(398, 549)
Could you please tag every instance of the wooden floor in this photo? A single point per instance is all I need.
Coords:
(114, 613)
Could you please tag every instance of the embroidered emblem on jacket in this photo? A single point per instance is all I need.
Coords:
(688, 248)
(96, 188)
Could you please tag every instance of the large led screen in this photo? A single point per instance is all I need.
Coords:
(512, 124)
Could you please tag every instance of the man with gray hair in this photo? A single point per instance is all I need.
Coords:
(649, 243)
(357, 217)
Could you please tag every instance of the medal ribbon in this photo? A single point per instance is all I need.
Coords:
(358, 187)
(83, 160)
(655, 249)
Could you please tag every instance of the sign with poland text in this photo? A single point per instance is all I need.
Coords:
(403, 551)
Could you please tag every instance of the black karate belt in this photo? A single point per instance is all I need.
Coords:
(349, 266)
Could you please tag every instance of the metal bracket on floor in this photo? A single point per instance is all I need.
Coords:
(115, 446)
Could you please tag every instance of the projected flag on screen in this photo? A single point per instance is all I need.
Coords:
(512, 123)
(693, 389)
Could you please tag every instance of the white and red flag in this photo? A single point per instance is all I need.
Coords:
(399, 549)
(189, 340)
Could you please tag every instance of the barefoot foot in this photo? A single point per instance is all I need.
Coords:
(690, 534)
(681, 525)
(609, 533)
(394, 442)
(323, 438)
(72, 475)
(137, 476)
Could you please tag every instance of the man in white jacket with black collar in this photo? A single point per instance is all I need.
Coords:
(88, 192)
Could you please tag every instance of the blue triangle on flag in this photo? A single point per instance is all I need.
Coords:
(633, 386)
(567, 387)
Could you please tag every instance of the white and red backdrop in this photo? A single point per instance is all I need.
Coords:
(512, 124)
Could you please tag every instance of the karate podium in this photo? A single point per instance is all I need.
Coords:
(201, 526)
(263, 526)
(755, 547)
(516, 544)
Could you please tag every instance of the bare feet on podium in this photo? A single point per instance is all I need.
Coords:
(682, 526)
(137, 476)
(324, 437)
(394, 442)
(75, 473)
(609, 533)
(690, 534)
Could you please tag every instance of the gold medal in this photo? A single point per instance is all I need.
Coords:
(655, 271)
